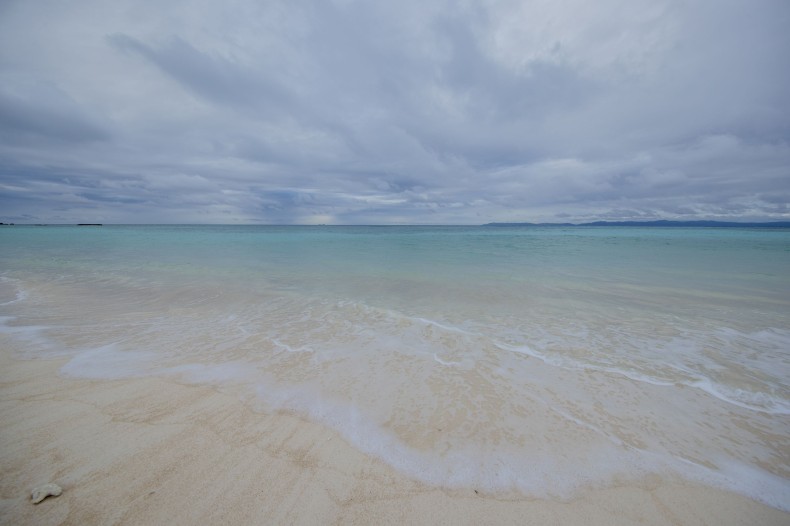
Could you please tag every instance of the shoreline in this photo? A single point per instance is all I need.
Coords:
(152, 450)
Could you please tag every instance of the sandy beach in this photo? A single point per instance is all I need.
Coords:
(153, 451)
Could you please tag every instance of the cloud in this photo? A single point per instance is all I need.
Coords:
(216, 79)
(38, 112)
(407, 112)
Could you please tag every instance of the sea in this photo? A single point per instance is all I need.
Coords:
(540, 360)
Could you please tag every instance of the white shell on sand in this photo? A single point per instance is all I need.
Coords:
(42, 492)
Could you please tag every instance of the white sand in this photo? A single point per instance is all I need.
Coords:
(150, 451)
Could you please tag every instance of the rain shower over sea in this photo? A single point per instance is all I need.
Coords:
(536, 360)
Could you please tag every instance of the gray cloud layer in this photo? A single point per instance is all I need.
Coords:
(346, 111)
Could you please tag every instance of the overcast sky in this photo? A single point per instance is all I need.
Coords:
(403, 111)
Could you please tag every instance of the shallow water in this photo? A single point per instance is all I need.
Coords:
(540, 360)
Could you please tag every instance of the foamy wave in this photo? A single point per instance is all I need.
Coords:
(754, 401)
(20, 294)
(542, 476)
(463, 465)
(359, 368)
(289, 348)
(676, 374)
(754, 482)
(557, 360)
(460, 467)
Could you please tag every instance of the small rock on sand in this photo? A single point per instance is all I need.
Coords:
(42, 492)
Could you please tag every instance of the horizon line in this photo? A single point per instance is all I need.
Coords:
(647, 222)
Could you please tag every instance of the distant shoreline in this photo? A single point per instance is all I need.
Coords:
(659, 223)
(662, 223)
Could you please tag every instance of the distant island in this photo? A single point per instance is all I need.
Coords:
(40, 224)
(661, 223)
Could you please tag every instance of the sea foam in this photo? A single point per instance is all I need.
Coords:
(538, 363)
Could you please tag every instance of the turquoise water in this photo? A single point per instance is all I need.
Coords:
(538, 359)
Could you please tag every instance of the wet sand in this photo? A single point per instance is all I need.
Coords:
(154, 451)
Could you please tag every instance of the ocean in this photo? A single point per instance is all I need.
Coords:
(534, 360)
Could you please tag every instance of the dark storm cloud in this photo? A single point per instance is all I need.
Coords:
(409, 112)
(216, 79)
(32, 111)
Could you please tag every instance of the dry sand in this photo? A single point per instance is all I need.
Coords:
(153, 451)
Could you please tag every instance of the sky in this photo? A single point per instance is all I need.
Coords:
(393, 112)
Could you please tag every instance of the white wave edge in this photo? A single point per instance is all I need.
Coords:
(775, 407)
(20, 294)
(489, 472)
(496, 472)
(769, 405)
(464, 467)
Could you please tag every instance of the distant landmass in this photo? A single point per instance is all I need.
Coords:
(661, 223)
